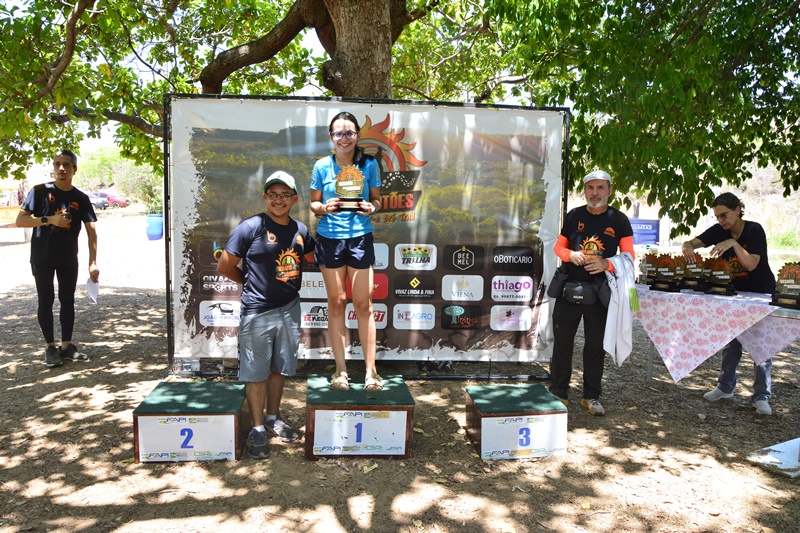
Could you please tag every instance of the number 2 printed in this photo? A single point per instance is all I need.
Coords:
(188, 433)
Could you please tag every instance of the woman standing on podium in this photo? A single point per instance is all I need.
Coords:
(743, 241)
(345, 192)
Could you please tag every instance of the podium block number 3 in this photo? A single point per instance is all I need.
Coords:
(525, 436)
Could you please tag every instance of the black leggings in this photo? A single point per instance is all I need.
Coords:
(67, 281)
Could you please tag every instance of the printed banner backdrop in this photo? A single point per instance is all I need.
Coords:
(472, 200)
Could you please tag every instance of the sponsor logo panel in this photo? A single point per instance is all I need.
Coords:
(412, 256)
(220, 313)
(414, 316)
(513, 258)
(414, 286)
(512, 288)
(511, 318)
(464, 258)
(379, 311)
(381, 256)
(462, 316)
(212, 282)
(314, 315)
(462, 288)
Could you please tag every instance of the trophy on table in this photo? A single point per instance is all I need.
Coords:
(693, 275)
(720, 277)
(349, 186)
(648, 268)
(665, 279)
(787, 293)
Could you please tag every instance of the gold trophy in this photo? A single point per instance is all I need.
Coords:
(648, 268)
(787, 293)
(693, 275)
(665, 279)
(720, 277)
(349, 187)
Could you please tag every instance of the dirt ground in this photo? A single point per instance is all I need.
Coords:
(663, 459)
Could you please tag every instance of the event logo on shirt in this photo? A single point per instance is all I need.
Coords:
(288, 266)
(462, 288)
(463, 258)
(415, 256)
(270, 238)
(610, 232)
(592, 246)
(511, 318)
(512, 288)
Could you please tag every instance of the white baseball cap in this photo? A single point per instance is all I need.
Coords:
(597, 175)
(280, 177)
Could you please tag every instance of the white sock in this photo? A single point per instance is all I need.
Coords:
(271, 418)
(260, 429)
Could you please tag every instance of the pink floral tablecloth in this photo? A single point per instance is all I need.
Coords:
(687, 327)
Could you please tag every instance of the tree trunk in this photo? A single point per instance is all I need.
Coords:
(362, 62)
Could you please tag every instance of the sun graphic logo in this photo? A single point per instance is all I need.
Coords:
(592, 246)
(288, 266)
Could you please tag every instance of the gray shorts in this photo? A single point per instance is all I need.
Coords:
(268, 342)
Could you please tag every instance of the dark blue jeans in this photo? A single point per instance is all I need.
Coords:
(566, 318)
(762, 383)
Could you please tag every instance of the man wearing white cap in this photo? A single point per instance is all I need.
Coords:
(591, 234)
(269, 246)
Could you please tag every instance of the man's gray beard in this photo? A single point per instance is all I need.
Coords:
(598, 203)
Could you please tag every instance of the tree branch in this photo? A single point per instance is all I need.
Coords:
(52, 74)
(263, 49)
(139, 123)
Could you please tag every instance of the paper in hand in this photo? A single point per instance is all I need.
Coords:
(93, 288)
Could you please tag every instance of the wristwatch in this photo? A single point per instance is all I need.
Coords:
(44, 220)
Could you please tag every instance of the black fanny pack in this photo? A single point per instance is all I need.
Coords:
(587, 292)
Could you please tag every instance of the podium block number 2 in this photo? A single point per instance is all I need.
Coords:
(188, 433)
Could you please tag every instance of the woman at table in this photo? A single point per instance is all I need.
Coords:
(345, 249)
(743, 241)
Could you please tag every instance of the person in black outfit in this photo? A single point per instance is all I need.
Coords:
(591, 233)
(56, 212)
(743, 242)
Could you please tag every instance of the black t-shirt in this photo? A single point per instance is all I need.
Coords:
(50, 245)
(591, 234)
(271, 256)
(754, 240)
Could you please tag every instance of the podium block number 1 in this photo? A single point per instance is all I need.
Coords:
(359, 432)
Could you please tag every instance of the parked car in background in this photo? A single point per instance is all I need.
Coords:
(97, 202)
(114, 200)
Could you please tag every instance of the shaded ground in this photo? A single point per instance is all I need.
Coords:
(663, 459)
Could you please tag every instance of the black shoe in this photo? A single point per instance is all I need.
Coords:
(257, 447)
(72, 354)
(52, 357)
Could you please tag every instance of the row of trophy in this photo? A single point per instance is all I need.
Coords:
(787, 293)
(671, 273)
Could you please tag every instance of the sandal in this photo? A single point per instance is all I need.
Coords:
(339, 381)
(373, 382)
